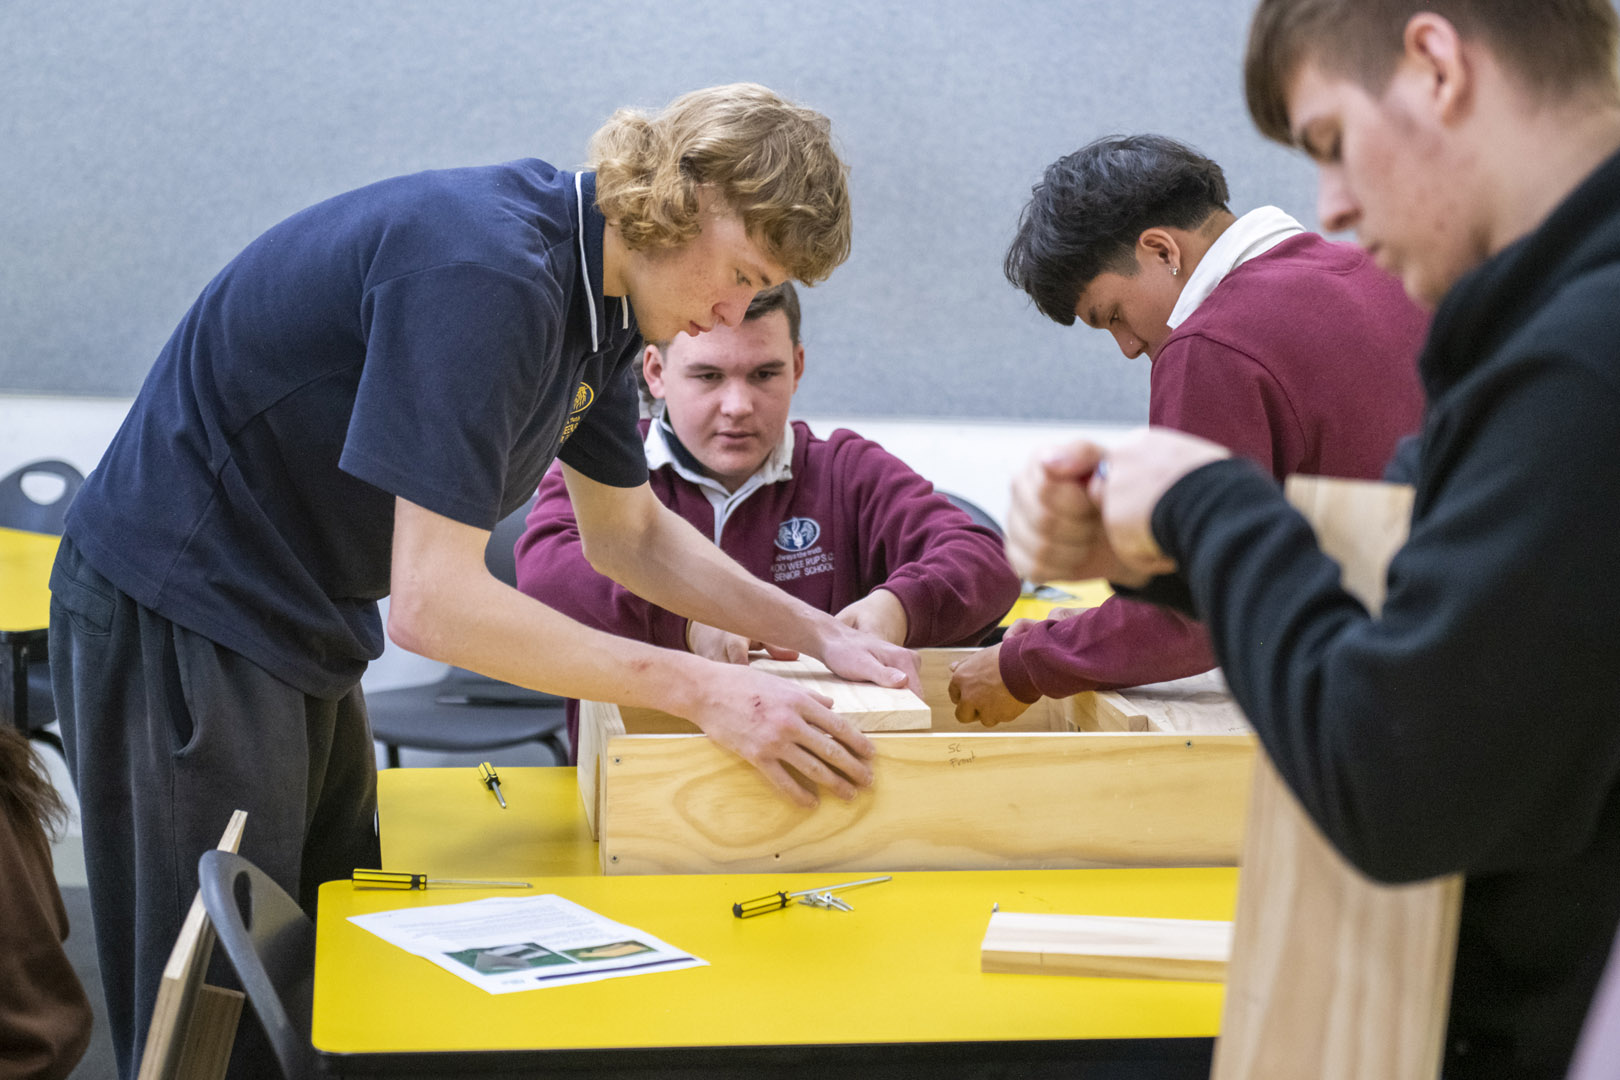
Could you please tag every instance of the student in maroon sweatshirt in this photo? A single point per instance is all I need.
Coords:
(1297, 353)
(838, 523)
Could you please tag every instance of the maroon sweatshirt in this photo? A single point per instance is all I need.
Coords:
(1303, 359)
(851, 518)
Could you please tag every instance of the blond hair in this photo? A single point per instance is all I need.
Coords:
(770, 161)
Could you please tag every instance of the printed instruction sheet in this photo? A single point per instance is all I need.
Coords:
(505, 944)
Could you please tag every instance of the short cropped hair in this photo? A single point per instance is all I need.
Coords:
(1086, 214)
(770, 161)
(783, 298)
(1556, 47)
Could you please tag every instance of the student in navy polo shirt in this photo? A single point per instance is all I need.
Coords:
(1471, 726)
(344, 414)
(839, 522)
(1295, 352)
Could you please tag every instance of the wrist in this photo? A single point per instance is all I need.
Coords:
(686, 685)
(1015, 675)
(828, 631)
(899, 619)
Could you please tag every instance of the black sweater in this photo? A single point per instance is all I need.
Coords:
(1473, 726)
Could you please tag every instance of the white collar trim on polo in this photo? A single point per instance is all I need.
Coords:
(585, 270)
(777, 467)
(1255, 233)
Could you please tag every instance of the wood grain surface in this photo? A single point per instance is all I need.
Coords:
(678, 804)
(1106, 946)
(1334, 976)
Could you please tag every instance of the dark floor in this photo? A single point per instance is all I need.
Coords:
(97, 1063)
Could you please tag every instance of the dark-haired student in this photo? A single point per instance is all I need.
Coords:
(1472, 726)
(1297, 353)
(44, 1014)
(839, 522)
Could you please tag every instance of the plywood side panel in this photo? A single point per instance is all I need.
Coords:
(598, 722)
(1106, 946)
(193, 1025)
(678, 804)
(1334, 975)
(1360, 524)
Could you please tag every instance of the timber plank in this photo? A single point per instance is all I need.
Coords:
(193, 1025)
(598, 722)
(867, 706)
(1334, 975)
(1199, 703)
(1106, 946)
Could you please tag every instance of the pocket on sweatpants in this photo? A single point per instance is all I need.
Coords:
(182, 691)
(87, 606)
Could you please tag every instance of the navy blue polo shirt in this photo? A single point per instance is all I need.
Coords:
(440, 337)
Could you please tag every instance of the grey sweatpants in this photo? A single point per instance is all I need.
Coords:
(166, 734)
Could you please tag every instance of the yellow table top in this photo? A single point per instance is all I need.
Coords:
(25, 575)
(903, 967)
(1057, 594)
(443, 822)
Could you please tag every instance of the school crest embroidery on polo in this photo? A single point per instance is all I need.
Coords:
(583, 397)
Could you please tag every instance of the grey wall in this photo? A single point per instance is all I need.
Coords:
(142, 145)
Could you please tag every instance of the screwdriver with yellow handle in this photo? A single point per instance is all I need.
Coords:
(399, 879)
(776, 901)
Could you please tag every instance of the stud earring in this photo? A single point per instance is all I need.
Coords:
(1174, 270)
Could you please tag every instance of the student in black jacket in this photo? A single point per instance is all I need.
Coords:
(1473, 726)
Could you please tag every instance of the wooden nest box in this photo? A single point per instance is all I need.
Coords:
(1157, 776)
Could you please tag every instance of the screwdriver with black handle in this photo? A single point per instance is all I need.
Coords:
(399, 879)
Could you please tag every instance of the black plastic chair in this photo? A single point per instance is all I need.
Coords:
(980, 516)
(42, 703)
(465, 711)
(20, 510)
(973, 510)
(271, 944)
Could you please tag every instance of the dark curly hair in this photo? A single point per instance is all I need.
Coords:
(1086, 213)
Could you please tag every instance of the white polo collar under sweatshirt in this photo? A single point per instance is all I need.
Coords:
(1255, 233)
(777, 467)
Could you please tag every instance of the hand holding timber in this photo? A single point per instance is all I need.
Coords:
(1054, 529)
(787, 733)
(878, 612)
(861, 656)
(1142, 467)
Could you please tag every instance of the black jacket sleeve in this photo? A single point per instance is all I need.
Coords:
(1473, 725)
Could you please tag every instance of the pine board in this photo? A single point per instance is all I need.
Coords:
(1334, 975)
(1106, 946)
(675, 804)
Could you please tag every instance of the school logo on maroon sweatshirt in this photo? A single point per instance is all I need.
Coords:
(799, 556)
(796, 534)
